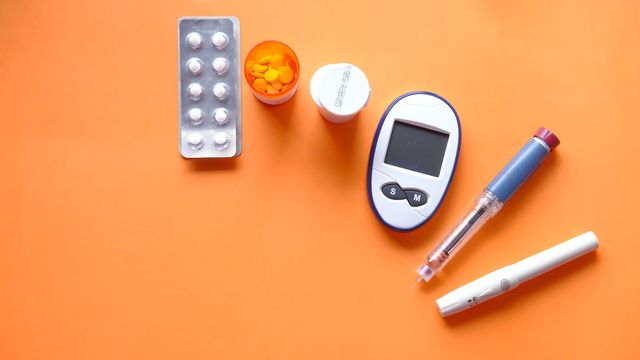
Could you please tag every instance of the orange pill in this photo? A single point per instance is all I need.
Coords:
(276, 85)
(285, 74)
(271, 75)
(277, 61)
(260, 68)
(271, 89)
(256, 74)
(264, 59)
(260, 84)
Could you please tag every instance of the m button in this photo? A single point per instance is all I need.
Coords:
(416, 197)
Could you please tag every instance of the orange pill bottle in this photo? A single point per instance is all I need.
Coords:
(272, 71)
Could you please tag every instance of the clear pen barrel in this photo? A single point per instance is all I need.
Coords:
(484, 208)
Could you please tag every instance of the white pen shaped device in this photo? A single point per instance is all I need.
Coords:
(502, 280)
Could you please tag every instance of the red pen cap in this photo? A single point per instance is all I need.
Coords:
(548, 137)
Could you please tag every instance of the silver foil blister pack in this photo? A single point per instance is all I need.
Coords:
(210, 103)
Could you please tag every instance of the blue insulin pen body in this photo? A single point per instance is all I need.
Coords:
(493, 197)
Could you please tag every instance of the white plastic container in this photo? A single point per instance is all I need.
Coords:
(340, 91)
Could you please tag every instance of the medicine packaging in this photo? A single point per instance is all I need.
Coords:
(209, 85)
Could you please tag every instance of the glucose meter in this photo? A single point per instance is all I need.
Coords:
(413, 158)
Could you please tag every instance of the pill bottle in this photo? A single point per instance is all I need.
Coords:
(340, 91)
(272, 71)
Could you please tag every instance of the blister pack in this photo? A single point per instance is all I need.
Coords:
(209, 84)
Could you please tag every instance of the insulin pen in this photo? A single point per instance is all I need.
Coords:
(491, 200)
(502, 280)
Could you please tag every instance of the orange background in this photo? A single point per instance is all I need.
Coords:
(114, 247)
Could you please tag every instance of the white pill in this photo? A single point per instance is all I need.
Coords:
(220, 90)
(194, 139)
(221, 116)
(220, 65)
(194, 40)
(195, 90)
(220, 40)
(195, 115)
(194, 65)
(221, 140)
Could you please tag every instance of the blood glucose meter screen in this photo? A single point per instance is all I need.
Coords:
(416, 148)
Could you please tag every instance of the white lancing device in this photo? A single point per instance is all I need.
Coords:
(502, 280)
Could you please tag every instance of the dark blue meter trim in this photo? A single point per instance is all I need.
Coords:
(373, 146)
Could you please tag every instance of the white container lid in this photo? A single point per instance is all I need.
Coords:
(340, 91)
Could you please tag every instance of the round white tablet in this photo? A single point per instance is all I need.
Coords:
(194, 40)
(221, 140)
(220, 90)
(195, 90)
(194, 65)
(220, 40)
(221, 116)
(196, 116)
(220, 65)
(194, 139)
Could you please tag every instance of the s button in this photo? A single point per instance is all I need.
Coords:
(393, 191)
